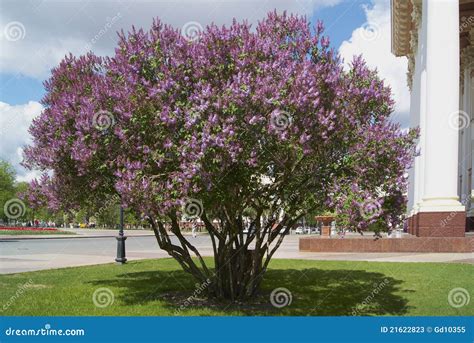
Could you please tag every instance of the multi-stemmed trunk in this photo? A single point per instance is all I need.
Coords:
(240, 259)
(238, 274)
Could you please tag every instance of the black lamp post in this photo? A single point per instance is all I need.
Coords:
(121, 241)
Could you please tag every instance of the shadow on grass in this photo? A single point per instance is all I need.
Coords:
(314, 292)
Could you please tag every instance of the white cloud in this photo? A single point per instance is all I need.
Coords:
(372, 40)
(45, 31)
(14, 124)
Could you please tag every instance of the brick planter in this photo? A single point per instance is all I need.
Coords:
(409, 244)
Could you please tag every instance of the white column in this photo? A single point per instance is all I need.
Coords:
(469, 108)
(466, 155)
(422, 143)
(413, 186)
(417, 109)
(471, 111)
(411, 192)
(461, 155)
(442, 103)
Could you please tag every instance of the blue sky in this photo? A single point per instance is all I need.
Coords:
(19, 89)
(339, 20)
(35, 35)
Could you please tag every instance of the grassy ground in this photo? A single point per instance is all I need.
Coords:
(35, 232)
(159, 287)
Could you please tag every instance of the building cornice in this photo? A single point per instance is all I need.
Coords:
(415, 24)
(401, 12)
(466, 31)
(467, 57)
(406, 19)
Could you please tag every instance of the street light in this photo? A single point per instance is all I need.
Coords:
(121, 241)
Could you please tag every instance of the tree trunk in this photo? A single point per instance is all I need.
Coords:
(238, 273)
(238, 270)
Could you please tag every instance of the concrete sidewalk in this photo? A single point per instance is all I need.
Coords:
(81, 233)
(21, 255)
(97, 233)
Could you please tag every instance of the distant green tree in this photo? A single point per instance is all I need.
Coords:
(7, 186)
(108, 215)
(21, 188)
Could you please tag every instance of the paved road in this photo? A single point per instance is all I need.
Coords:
(36, 254)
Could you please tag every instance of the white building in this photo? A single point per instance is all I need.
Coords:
(437, 36)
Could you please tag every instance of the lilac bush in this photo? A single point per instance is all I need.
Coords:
(239, 128)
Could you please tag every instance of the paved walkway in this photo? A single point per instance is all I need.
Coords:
(22, 254)
(81, 233)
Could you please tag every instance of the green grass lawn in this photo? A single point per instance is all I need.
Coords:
(35, 232)
(159, 287)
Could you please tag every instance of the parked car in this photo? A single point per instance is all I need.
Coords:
(311, 230)
(299, 231)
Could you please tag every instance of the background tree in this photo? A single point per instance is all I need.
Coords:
(21, 190)
(237, 127)
(14, 205)
(7, 186)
